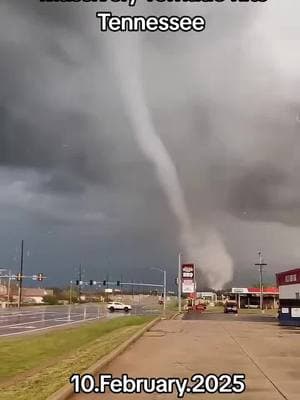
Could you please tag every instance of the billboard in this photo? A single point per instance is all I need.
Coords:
(188, 278)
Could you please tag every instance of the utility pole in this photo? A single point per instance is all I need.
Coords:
(165, 291)
(21, 275)
(179, 282)
(260, 264)
(164, 287)
(8, 287)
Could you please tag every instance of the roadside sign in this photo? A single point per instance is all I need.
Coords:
(188, 287)
(188, 278)
(295, 312)
(187, 271)
(239, 290)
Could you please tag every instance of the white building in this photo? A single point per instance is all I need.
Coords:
(210, 297)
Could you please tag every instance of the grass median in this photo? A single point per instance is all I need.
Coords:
(33, 367)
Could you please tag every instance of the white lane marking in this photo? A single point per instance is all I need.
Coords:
(23, 327)
(30, 314)
(48, 327)
(62, 319)
(21, 324)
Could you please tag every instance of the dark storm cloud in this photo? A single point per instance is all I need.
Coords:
(55, 15)
(58, 140)
(39, 129)
(225, 104)
(255, 192)
(266, 194)
(61, 182)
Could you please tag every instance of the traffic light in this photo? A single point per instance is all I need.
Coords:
(91, 282)
(77, 283)
(40, 276)
(18, 276)
(118, 283)
(104, 283)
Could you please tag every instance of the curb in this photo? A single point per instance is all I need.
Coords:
(67, 390)
(175, 315)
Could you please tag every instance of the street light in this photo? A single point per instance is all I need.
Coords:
(70, 292)
(165, 285)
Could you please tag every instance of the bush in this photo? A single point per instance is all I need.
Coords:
(48, 299)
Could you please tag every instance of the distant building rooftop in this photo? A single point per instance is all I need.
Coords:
(290, 277)
(270, 290)
(36, 292)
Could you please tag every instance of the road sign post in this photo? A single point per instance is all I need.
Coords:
(165, 291)
(179, 282)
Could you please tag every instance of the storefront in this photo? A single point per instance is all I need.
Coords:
(289, 297)
(250, 297)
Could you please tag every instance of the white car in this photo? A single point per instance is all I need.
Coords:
(118, 306)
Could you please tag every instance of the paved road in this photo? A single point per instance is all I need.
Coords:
(268, 355)
(215, 316)
(36, 319)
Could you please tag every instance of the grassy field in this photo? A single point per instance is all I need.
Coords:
(33, 367)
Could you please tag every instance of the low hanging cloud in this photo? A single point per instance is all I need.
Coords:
(224, 104)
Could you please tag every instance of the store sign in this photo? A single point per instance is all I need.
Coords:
(239, 290)
(187, 271)
(188, 287)
(290, 278)
(295, 313)
(188, 278)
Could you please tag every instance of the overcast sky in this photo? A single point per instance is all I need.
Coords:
(74, 181)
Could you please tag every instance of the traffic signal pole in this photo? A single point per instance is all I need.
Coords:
(21, 275)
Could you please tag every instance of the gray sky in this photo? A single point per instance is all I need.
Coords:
(74, 182)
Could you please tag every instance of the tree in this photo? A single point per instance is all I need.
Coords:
(49, 299)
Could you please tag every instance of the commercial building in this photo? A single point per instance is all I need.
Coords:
(209, 297)
(34, 295)
(250, 297)
(288, 283)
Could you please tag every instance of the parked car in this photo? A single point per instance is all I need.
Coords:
(118, 306)
(230, 307)
(200, 307)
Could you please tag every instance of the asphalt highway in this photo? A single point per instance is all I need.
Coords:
(41, 318)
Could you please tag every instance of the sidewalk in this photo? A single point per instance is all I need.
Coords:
(266, 354)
